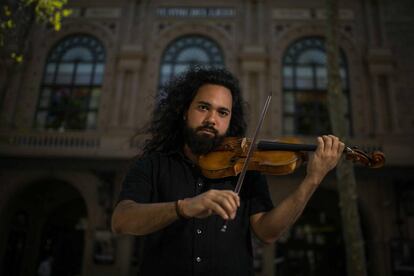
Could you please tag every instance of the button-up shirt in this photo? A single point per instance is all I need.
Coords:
(194, 246)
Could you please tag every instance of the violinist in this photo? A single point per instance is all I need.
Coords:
(178, 212)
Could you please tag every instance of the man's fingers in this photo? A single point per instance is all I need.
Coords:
(326, 157)
(335, 143)
(219, 210)
(229, 203)
(321, 144)
(328, 141)
(221, 202)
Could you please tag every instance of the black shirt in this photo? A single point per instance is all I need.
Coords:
(194, 246)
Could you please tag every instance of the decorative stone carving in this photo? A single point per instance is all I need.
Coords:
(103, 12)
(296, 14)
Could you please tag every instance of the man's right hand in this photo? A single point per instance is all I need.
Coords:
(220, 202)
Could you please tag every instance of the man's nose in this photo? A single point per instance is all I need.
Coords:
(210, 118)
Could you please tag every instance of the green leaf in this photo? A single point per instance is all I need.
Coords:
(67, 12)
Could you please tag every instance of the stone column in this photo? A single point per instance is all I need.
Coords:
(262, 20)
(383, 106)
(380, 64)
(268, 259)
(253, 66)
(124, 254)
(127, 88)
(254, 21)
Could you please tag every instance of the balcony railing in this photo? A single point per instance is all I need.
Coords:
(52, 141)
(64, 144)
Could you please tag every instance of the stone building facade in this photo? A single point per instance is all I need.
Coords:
(70, 112)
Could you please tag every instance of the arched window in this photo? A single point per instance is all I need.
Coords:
(305, 87)
(187, 51)
(71, 86)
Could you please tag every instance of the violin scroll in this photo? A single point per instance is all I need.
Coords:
(375, 160)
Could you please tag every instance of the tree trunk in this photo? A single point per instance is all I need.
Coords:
(354, 243)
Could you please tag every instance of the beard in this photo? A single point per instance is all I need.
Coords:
(201, 143)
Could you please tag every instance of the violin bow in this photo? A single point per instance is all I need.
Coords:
(252, 147)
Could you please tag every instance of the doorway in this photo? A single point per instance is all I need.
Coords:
(46, 231)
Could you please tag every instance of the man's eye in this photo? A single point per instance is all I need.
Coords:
(223, 113)
(203, 107)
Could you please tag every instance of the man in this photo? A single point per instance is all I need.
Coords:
(178, 211)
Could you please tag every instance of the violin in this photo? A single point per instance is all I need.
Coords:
(271, 157)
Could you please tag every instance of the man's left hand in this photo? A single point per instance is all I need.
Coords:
(325, 158)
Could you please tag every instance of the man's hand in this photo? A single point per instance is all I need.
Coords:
(325, 158)
(220, 202)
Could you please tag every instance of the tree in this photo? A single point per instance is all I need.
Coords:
(16, 21)
(355, 250)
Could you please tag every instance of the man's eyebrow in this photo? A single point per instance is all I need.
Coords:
(205, 103)
(225, 109)
(222, 108)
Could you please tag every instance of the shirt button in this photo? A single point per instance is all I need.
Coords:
(199, 231)
(198, 259)
(200, 183)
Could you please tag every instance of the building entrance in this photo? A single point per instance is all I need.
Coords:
(45, 235)
(314, 245)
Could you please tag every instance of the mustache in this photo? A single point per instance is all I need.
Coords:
(208, 128)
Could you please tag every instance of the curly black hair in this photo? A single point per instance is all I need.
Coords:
(166, 127)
